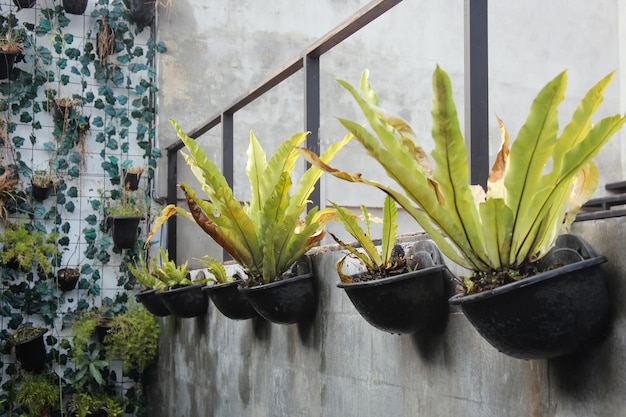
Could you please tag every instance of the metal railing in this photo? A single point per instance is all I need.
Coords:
(476, 98)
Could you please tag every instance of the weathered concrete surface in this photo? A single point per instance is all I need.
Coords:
(338, 365)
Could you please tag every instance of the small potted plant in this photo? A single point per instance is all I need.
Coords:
(182, 296)
(30, 349)
(151, 285)
(63, 108)
(131, 177)
(222, 290)
(508, 235)
(399, 291)
(10, 46)
(267, 236)
(43, 182)
(67, 278)
(38, 395)
(124, 217)
(24, 247)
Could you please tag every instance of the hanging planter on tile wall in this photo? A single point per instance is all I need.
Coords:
(554, 313)
(7, 61)
(67, 278)
(30, 351)
(230, 301)
(24, 4)
(408, 302)
(77, 7)
(124, 231)
(142, 11)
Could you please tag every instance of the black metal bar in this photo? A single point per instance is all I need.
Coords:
(172, 175)
(350, 26)
(228, 157)
(312, 115)
(477, 90)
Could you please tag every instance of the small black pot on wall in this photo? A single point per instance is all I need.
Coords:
(142, 11)
(7, 61)
(75, 6)
(555, 313)
(31, 353)
(408, 302)
(124, 231)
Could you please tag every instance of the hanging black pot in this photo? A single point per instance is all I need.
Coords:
(31, 352)
(7, 61)
(131, 180)
(61, 112)
(142, 11)
(286, 301)
(230, 302)
(554, 313)
(75, 6)
(67, 278)
(186, 302)
(42, 193)
(408, 302)
(124, 231)
(152, 301)
(24, 4)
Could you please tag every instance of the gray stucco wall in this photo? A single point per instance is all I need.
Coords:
(338, 365)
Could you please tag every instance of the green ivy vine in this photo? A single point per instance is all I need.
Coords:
(79, 105)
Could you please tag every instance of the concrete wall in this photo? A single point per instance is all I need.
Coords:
(220, 49)
(338, 365)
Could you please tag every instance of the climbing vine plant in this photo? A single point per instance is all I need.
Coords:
(78, 110)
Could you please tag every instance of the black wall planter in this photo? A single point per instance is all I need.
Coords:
(24, 4)
(407, 302)
(124, 231)
(557, 312)
(7, 61)
(75, 6)
(32, 353)
(152, 301)
(41, 193)
(131, 180)
(287, 301)
(67, 278)
(230, 302)
(142, 11)
(186, 302)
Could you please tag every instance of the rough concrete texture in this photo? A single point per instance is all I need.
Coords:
(338, 365)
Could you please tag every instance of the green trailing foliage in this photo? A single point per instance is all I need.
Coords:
(27, 247)
(133, 337)
(516, 221)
